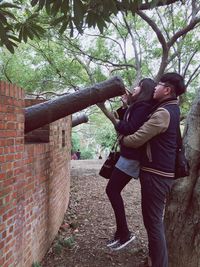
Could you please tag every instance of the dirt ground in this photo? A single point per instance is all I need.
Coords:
(89, 223)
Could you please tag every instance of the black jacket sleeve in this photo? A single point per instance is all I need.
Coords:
(134, 118)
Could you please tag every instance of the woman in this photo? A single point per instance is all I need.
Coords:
(128, 165)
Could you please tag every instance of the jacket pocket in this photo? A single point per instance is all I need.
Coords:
(148, 151)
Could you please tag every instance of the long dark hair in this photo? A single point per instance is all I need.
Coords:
(147, 90)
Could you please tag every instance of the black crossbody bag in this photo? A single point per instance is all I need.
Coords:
(108, 166)
(182, 168)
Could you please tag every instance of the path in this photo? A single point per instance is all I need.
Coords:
(89, 222)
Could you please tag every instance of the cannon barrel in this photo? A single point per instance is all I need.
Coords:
(78, 119)
(38, 115)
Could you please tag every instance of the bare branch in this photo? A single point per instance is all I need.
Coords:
(162, 41)
(194, 75)
(189, 61)
(193, 23)
(147, 5)
(107, 113)
(138, 63)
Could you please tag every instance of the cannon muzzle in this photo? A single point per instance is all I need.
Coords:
(78, 119)
(44, 113)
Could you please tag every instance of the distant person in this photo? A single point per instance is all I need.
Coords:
(78, 154)
(74, 156)
(100, 157)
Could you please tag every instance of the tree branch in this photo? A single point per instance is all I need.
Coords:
(108, 114)
(194, 75)
(183, 31)
(162, 41)
(147, 5)
(138, 63)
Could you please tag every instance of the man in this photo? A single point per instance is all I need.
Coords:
(159, 134)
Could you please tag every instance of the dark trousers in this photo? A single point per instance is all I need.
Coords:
(114, 187)
(154, 190)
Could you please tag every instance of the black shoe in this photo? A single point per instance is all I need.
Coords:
(121, 244)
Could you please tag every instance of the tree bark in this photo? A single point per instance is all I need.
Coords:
(38, 115)
(182, 215)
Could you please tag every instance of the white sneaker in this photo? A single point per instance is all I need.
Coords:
(112, 242)
(119, 245)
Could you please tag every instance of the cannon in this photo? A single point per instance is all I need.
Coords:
(44, 113)
(79, 118)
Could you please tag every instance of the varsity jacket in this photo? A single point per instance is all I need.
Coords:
(133, 119)
(159, 134)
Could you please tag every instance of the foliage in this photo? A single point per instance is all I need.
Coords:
(58, 248)
(68, 14)
(87, 153)
(11, 22)
(68, 242)
(36, 264)
(75, 141)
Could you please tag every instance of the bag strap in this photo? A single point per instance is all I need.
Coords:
(115, 145)
(179, 138)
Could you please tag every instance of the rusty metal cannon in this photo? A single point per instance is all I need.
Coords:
(44, 113)
(79, 118)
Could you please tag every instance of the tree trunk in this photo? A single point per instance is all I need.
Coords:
(183, 207)
(38, 115)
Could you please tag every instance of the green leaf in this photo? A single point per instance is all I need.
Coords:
(64, 27)
(71, 29)
(110, 6)
(55, 7)
(48, 7)
(10, 46)
(101, 24)
(8, 5)
(58, 20)
(41, 4)
(65, 6)
(8, 14)
(78, 10)
(3, 18)
(91, 19)
(34, 2)
(25, 35)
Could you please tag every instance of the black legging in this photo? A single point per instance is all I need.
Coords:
(114, 187)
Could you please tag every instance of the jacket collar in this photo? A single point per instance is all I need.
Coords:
(173, 101)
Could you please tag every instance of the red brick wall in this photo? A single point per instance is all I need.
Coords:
(34, 183)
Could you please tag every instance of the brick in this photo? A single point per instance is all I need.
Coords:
(9, 157)
(2, 88)
(2, 176)
(2, 158)
(2, 227)
(9, 262)
(8, 182)
(1, 261)
(5, 191)
(1, 244)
